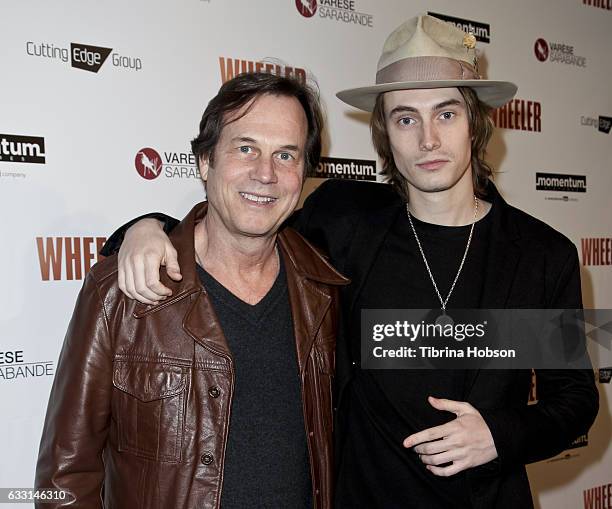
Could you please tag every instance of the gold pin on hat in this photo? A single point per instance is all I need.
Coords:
(426, 52)
(469, 41)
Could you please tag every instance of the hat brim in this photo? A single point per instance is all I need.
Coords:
(492, 93)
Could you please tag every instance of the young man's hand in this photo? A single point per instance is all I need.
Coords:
(144, 250)
(462, 443)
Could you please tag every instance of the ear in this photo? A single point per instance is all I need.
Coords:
(204, 166)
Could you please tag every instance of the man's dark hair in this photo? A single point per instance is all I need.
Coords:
(481, 129)
(240, 91)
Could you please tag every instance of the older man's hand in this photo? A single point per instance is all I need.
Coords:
(144, 250)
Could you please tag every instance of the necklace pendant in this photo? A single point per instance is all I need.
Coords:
(444, 319)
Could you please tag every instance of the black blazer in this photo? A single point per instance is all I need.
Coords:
(530, 265)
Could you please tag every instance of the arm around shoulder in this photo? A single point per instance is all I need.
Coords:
(114, 242)
(143, 248)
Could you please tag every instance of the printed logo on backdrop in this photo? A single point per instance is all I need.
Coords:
(19, 365)
(83, 56)
(571, 452)
(343, 11)
(67, 258)
(150, 164)
(306, 8)
(231, 67)
(605, 375)
(350, 169)
(557, 52)
(541, 50)
(482, 31)
(600, 4)
(16, 148)
(598, 497)
(596, 251)
(88, 58)
(519, 114)
(561, 182)
(581, 441)
(601, 124)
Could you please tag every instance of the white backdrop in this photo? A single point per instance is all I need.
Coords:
(165, 60)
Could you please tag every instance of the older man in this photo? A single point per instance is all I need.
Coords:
(440, 236)
(220, 395)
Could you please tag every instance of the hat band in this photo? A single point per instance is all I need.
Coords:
(426, 69)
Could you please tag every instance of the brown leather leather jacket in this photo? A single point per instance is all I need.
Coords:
(139, 410)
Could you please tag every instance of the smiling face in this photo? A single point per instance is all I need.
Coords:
(257, 176)
(429, 136)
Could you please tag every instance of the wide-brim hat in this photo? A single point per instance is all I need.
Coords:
(426, 52)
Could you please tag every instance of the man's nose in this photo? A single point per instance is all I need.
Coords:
(430, 138)
(264, 170)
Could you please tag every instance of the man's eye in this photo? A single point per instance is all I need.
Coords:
(285, 156)
(245, 149)
(447, 115)
(406, 121)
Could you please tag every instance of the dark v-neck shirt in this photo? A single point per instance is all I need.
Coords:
(382, 407)
(266, 460)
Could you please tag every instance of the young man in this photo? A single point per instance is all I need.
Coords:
(139, 413)
(440, 236)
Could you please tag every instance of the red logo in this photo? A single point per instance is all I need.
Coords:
(541, 50)
(148, 163)
(75, 254)
(306, 8)
(596, 497)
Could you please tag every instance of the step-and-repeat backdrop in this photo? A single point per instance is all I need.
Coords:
(100, 99)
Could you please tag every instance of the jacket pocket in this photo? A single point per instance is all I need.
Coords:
(150, 408)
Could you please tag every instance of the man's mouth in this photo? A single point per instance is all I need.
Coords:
(258, 198)
(434, 164)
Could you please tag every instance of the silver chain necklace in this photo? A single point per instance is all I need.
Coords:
(443, 302)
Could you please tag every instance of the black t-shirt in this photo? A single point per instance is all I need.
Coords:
(382, 407)
(266, 460)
